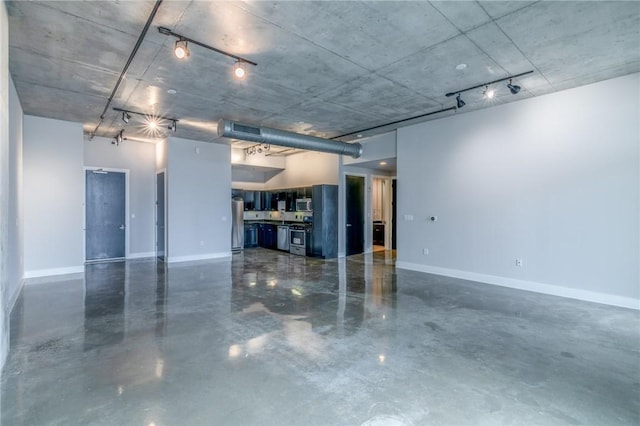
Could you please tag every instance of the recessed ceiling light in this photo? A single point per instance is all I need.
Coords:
(383, 163)
(359, 135)
(172, 91)
(460, 67)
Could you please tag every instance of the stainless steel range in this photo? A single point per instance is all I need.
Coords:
(300, 239)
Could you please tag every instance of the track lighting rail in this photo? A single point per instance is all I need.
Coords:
(454, 93)
(145, 115)
(180, 37)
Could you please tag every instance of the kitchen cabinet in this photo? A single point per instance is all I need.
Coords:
(251, 235)
(292, 194)
(266, 197)
(249, 200)
(268, 236)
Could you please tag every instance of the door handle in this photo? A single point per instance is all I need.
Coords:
(121, 226)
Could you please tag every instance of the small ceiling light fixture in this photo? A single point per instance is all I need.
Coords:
(238, 70)
(181, 44)
(126, 117)
(383, 163)
(173, 126)
(117, 140)
(459, 102)
(181, 50)
(257, 149)
(460, 67)
(512, 87)
(487, 92)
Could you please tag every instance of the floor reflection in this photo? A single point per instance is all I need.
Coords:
(104, 304)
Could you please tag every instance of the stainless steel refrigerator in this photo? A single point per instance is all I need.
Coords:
(237, 223)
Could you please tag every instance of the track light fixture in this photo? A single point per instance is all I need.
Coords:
(152, 122)
(117, 140)
(257, 149)
(489, 93)
(459, 102)
(181, 49)
(512, 87)
(239, 69)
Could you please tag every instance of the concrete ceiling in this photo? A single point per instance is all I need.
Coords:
(324, 68)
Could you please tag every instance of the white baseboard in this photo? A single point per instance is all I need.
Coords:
(207, 256)
(55, 271)
(141, 255)
(554, 290)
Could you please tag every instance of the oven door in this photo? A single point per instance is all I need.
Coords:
(297, 242)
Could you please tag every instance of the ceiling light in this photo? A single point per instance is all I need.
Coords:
(460, 67)
(238, 69)
(181, 50)
(126, 116)
(488, 93)
(459, 102)
(512, 87)
(173, 126)
(172, 91)
(383, 163)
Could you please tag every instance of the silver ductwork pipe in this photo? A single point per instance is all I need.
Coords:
(248, 132)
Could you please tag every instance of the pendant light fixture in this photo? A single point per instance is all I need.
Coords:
(238, 70)
(459, 102)
(512, 87)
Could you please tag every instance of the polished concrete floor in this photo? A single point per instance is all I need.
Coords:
(273, 339)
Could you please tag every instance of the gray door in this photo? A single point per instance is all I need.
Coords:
(105, 215)
(160, 249)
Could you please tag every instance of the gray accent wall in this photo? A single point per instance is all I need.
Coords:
(52, 193)
(553, 181)
(198, 200)
(139, 159)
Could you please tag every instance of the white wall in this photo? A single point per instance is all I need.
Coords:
(198, 200)
(306, 169)
(375, 148)
(53, 186)
(4, 181)
(140, 160)
(15, 265)
(552, 180)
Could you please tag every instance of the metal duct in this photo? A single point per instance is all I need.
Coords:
(247, 132)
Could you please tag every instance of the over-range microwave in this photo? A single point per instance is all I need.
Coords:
(303, 205)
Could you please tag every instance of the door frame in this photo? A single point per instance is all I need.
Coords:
(84, 207)
(388, 213)
(155, 215)
(367, 221)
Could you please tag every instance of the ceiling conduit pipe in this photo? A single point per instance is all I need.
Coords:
(248, 132)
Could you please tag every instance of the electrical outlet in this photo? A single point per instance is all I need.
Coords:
(518, 262)
(425, 251)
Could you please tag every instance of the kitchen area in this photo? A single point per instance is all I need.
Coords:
(300, 221)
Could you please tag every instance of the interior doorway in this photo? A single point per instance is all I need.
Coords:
(354, 195)
(160, 216)
(381, 213)
(105, 214)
